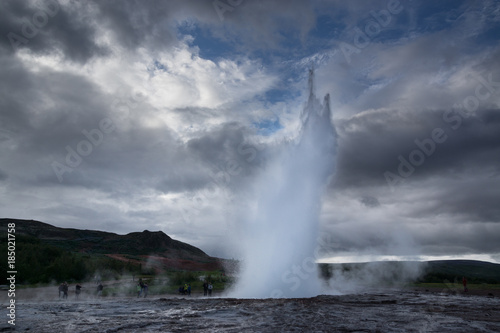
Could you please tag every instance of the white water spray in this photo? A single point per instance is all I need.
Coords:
(280, 239)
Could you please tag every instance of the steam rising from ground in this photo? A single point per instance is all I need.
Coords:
(281, 234)
(359, 277)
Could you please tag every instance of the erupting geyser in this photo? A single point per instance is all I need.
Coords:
(281, 235)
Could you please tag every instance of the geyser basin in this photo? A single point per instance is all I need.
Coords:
(280, 237)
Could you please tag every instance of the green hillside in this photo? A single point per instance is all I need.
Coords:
(45, 253)
(454, 270)
(421, 272)
(38, 262)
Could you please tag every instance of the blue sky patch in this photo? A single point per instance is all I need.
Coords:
(268, 127)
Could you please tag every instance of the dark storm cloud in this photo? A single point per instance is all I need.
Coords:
(47, 27)
(16, 82)
(224, 156)
(218, 145)
(369, 201)
(44, 112)
(250, 25)
(133, 157)
(262, 25)
(405, 108)
(464, 239)
(471, 200)
(135, 25)
(3, 175)
(371, 144)
(456, 186)
(76, 31)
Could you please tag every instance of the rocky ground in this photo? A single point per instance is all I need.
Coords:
(406, 310)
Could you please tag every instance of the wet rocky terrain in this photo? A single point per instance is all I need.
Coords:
(387, 311)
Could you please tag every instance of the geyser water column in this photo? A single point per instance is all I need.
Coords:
(281, 234)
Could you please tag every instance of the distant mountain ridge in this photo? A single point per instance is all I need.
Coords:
(144, 243)
(474, 270)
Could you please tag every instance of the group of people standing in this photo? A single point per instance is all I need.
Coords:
(64, 287)
(186, 290)
(63, 290)
(207, 288)
(142, 289)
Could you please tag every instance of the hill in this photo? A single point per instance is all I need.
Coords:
(451, 270)
(92, 241)
(438, 271)
(137, 251)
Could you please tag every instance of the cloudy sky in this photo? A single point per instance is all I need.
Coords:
(130, 115)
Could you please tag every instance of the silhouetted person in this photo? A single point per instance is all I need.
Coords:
(139, 290)
(78, 290)
(141, 286)
(65, 290)
(205, 288)
(464, 282)
(99, 289)
(210, 287)
(61, 288)
(145, 288)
